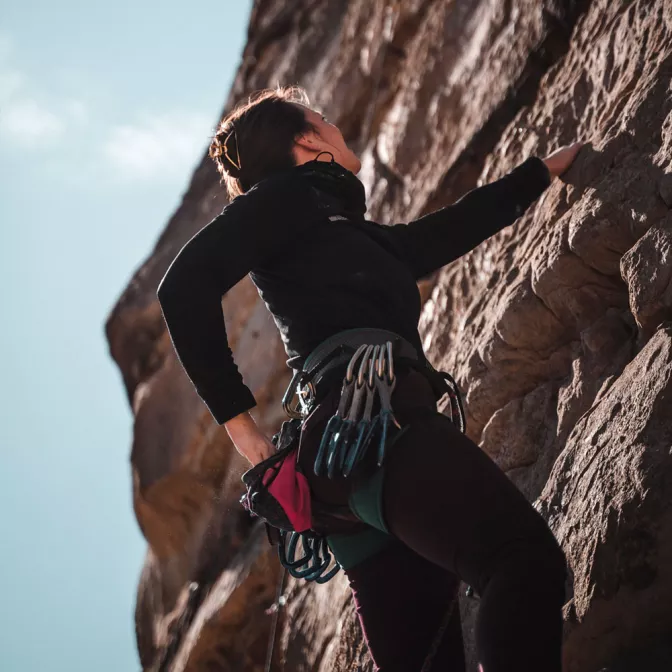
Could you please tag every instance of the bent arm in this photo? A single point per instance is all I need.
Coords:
(190, 295)
(446, 234)
(249, 229)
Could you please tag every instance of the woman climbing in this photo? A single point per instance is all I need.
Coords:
(424, 506)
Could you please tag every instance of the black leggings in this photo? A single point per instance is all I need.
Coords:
(453, 515)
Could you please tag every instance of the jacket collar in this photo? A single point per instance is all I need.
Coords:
(337, 182)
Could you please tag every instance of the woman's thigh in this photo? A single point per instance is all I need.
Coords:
(402, 600)
(447, 500)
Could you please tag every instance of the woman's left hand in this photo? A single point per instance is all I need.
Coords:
(561, 159)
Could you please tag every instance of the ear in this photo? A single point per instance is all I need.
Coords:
(306, 141)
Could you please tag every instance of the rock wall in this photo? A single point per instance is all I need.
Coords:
(558, 329)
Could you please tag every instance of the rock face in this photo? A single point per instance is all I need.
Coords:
(558, 329)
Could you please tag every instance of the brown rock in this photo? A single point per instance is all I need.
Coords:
(647, 270)
(511, 446)
(609, 502)
(604, 349)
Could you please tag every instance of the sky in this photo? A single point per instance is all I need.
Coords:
(105, 109)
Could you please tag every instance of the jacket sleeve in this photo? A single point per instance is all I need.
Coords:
(446, 234)
(251, 228)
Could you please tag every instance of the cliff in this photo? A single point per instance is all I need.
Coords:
(558, 330)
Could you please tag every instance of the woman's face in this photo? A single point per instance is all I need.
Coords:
(327, 138)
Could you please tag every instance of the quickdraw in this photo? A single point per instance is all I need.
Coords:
(352, 428)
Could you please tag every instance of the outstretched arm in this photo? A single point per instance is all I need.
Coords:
(250, 228)
(446, 234)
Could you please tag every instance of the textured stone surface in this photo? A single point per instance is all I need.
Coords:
(557, 329)
(609, 501)
(647, 270)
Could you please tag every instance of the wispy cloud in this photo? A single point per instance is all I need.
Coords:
(157, 146)
(26, 118)
(149, 147)
(30, 124)
(77, 111)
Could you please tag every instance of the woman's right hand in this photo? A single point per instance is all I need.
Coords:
(561, 159)
(248, 439)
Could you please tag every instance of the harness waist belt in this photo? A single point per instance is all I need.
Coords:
(325, 365)
(353, 338)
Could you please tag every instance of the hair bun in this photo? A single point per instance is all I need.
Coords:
(224, 151)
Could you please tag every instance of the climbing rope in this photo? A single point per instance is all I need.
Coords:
(279, 602)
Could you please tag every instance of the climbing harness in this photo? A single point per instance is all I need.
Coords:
(362, 361)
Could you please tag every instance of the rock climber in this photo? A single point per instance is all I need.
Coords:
(438, 510)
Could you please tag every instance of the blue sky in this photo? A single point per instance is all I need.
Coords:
(105, 109)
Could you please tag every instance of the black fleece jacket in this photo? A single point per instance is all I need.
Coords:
(318, 276)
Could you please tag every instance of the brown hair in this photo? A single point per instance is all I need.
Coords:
(256, 138)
